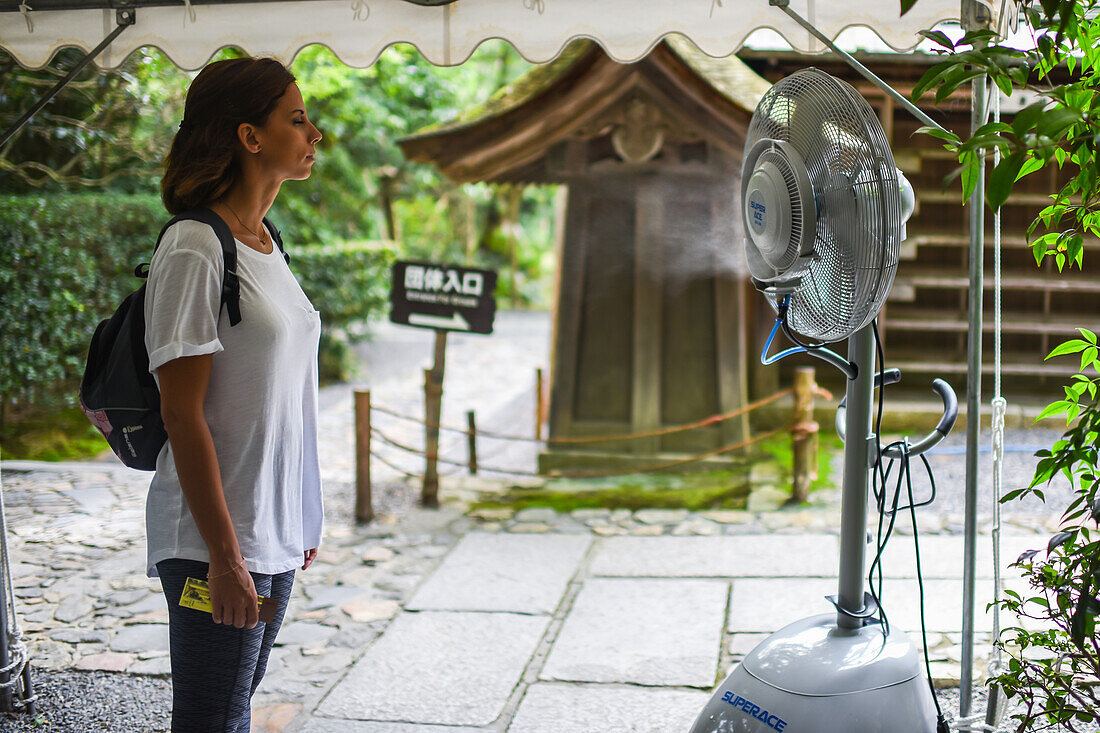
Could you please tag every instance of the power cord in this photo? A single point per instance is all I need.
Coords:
(784, 305)
(880, 478)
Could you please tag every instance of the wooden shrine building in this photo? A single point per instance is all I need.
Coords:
(653, 313)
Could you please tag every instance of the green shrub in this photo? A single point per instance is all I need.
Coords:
(65, 263)
(348, 283)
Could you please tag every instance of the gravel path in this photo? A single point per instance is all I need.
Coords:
(82, 702)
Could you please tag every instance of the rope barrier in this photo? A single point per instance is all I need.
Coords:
(407, 474)
(705, 422)
(575, 474)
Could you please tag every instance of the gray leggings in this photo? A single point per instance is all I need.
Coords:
(216, 668)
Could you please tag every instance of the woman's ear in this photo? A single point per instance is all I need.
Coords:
(246, 133)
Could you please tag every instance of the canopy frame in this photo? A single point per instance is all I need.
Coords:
(124, 18)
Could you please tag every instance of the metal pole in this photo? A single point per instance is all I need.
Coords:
(125, 19)
(857, 472)
(973, 406)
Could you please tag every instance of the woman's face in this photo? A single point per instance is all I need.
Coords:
(288, 140)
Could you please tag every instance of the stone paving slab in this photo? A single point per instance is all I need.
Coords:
(762, 605)
(766, 605)
(329, 725)
(941, 556)
(503, 572)
(720, 557)
(565, 708)
(438, 667)
(641, 631)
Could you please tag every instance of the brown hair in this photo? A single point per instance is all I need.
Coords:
(202, 163)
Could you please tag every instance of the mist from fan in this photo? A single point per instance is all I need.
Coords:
(701, 235)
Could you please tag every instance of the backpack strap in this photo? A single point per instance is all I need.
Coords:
(231, 284)
(277, 237)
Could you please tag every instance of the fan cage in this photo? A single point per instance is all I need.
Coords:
(857, 238)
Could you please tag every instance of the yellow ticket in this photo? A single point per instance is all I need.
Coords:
(196, 595)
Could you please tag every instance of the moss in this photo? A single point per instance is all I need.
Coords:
(828, 445)
(706, 490)
(59, 435)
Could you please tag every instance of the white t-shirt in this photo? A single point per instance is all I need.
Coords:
(261, 404)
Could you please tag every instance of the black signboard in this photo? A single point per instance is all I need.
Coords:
(443, 297)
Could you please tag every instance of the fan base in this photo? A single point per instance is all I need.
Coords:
(812, 677)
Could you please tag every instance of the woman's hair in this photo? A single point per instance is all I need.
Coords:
(202, 163)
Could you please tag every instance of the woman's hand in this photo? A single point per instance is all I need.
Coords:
(233, 595)
(311, 555)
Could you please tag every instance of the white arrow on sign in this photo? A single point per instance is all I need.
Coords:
(454, 323)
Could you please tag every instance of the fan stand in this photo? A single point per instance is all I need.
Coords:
(833, 673)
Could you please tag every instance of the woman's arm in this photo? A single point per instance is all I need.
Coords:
(183, 385)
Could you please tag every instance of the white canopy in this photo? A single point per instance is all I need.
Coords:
(357, 31)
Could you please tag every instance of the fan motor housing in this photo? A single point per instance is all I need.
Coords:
(778, 210)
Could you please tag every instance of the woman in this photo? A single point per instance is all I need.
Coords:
(236, 498)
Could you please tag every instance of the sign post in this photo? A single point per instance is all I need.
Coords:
(444, 298)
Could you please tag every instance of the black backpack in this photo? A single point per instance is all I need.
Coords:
(117, 393)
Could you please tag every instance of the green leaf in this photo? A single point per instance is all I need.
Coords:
(1030, 166)
(1089, 335)
(1002, 177)
(955, 79)
(938, 132)
(935, 36)
(1054, 408)
(933, 76)
(1026, 118)
(1054, 122)
(907, 5)
(971, 170)
(1088, 358)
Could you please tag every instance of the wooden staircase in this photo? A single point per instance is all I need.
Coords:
(925, 318)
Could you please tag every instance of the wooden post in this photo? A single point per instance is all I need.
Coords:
(471, 440)
(803, 434)
(540, 405)
(364, 510)
(433, 403)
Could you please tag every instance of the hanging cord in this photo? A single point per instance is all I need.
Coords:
(995, 702)
(878, 486)
(784, 306)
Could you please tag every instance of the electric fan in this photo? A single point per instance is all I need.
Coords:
(824, 209)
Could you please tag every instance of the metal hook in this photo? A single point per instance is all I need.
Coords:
(25, 10)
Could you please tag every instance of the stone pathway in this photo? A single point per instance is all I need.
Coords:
(533, 621)
(529, 622)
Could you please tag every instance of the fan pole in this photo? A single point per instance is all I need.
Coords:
(857, 445)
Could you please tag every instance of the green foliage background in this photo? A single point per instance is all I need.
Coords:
(110, 130)
(79, 201)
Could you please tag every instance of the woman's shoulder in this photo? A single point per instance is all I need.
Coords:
(190, 236)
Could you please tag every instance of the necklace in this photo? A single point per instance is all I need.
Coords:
(263, 242)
